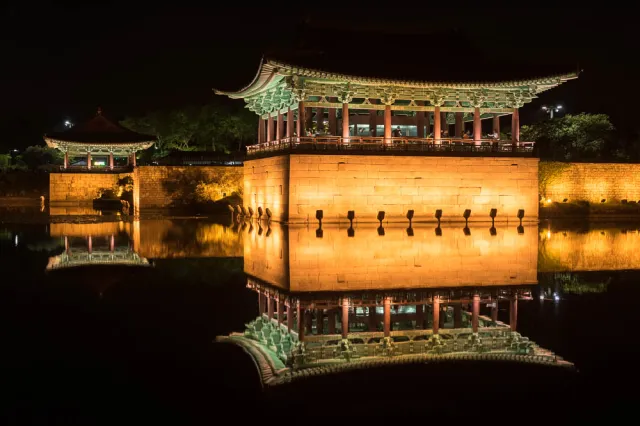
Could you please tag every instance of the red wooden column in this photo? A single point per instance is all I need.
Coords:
(133, 158)
(112, 244)
(345, 122)
(475, 313)
(111, 161)
(333, 122)
(88, 160)
(387, 317)
(320, 119)
(66, 159)
(300, 128)
(477, 126)
(459, 124)
(269, 307)
(280, 126)
(289, 317)
(387, 124)
(280, 311)
(331, 321)
(289, 122)
(270, 129)
(513, 312)
(260, 130)
(299, 323)
(90, 244)
(260, 304)
(515, 128)
(436, 124)
(420, 120)
(66, 244)
(345, 317)
(319, 321)
(496, 124)
(436, 314)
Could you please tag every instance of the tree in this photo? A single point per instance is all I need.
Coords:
(40, 157)
(573, 137)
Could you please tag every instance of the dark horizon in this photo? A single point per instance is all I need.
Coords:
(63, 63)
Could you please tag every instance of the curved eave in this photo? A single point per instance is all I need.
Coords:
(266, 77)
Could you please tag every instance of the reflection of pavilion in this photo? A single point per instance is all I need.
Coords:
(95, 244)
(342, 299)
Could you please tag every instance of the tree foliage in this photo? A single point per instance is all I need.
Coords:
(212, 127)
(573, 137)
(38, 157)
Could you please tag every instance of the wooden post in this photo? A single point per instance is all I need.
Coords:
(90, 244)
(300, 130)
(111, 161)
(270, 134)
(345, 122)
(496, 124)
(436, 125)
(66, 244)
(333, 122)
(133, 159)
(420, 121)
(459, 124)
(515, 128)
(387, 124)
(66, 159)
(436, 314)
(475, 313)
(345, 317)
(299, 324)
(280, 126)
(513, 312)
(88, 160)
(477, 126)
(387, 317)
(289, 123)
(269, 307)
(260, 130)
(112, 244)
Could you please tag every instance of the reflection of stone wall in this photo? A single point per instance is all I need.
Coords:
(606, 249)
(77, 188)
(337, 262)
(595, 181)
(266, 185)
(160, 186)
(164, 239)
(393, 184)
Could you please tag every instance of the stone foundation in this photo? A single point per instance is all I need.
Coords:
(295, 186)
(80, 188)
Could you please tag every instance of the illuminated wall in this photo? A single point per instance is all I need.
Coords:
(605, 249)
(79, 188)
(160, 186)
(394, 184)
(594, 182)
(266, 185)
(337, 262)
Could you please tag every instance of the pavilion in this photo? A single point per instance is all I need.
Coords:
(100, 141)
(333, 110)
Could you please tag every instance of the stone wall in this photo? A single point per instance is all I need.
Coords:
(160, 186)
(80, 188)
(591, 181)
(394, 184)
(294, 258)
(266, 185)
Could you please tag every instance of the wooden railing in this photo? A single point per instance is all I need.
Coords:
(357, 143)
(95, 169)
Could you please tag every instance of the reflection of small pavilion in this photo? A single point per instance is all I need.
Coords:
(101, 142)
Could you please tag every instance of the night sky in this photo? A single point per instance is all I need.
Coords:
(61, 63)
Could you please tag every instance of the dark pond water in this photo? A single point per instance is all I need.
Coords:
(116, 322)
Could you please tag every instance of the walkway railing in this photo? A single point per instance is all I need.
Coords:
(381, 144)
(95, 169)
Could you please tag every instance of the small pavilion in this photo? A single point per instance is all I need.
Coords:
(100, 141)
